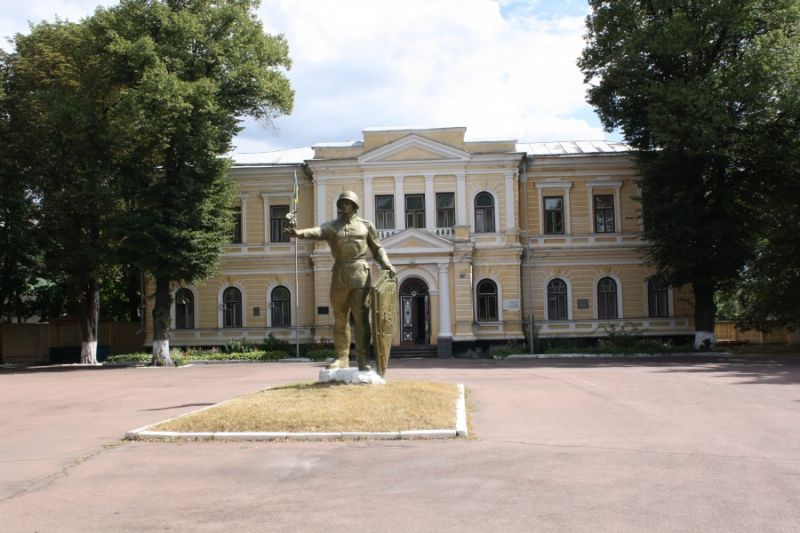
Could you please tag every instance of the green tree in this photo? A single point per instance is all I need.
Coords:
(58, 97)
(191, 69)
(18, 256)
(694, 85)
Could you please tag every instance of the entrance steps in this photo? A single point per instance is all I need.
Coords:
(413, 350)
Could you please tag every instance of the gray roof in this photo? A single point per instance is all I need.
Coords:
(292, 156)
(572, 147)
(297, 156)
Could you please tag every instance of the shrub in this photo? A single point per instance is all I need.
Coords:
(137, 357)
(502, 351)
(239, 346)
(254, 355)
(272, 344)
(320, 354)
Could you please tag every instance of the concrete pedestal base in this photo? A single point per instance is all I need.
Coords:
(351, 376)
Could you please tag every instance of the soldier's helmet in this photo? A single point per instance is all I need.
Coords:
(348, 195)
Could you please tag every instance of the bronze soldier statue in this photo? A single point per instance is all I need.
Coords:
(349, 237)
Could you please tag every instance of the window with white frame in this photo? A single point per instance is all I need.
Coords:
(557, 300)
(604, 213)
(445, 209)
(657, 299)
(415, 211)
(384, 211)
(278, 223)
(607, 299)
(554, 215)
(484, 213)
(487, 301)
(184, 309)
(281, 308)
(237, 225)
(232, 308)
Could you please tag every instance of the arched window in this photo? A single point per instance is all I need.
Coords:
(232, 308)
(557, 300)
(184, 309)
(487, 301)
(657, 299)
(484, 213)
(280, 302)
(607, 299)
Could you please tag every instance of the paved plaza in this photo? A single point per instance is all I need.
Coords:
(590, 445)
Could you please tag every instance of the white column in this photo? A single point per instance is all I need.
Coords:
(430, 203)
(368, 202)
(399, 203)
(461, 200)
(320, 203)
(265, 199)
(511, 212)
(444, 301)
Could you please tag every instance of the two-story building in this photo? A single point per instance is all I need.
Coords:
(491, 240)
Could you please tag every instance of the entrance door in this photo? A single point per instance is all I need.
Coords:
(415, 323)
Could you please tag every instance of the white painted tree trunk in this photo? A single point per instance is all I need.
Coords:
(89, 352)
(161, 355)
(704, 340)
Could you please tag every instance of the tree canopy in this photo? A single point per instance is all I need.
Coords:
(695, 86)
(189, 71)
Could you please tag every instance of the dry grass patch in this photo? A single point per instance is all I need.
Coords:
(326, 407)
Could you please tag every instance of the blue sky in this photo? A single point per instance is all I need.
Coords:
(503, 69)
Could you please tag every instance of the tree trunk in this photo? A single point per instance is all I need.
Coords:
(89, 321)
(704, 314)
(161, 324)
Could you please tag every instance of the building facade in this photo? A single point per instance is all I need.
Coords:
(492, 241)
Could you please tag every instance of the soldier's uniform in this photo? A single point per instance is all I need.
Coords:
(349, 239)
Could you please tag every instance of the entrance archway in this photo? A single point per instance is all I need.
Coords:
(414, 312)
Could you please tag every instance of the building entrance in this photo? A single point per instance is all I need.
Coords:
(414, 312)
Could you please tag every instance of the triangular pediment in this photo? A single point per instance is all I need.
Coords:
(414, 241)
(414, 147)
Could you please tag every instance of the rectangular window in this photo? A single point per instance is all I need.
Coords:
(657, 299)
(554, 214)
(237, 225)
(278, 222)
(384, 211)
(415, 210)
(604, 213)
(445, 209)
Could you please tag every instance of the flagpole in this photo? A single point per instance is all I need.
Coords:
(296, 277)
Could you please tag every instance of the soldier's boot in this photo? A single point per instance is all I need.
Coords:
(362, 364)
(342, 361)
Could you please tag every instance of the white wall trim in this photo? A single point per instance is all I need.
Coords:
(564, 187)
(270, 198)
(605, 184)
(423, 274)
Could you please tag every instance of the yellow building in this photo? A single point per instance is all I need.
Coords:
(490, 239)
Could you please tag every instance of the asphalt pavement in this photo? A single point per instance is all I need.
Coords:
(704, 444)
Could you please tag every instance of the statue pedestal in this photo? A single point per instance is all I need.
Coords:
(351, 376)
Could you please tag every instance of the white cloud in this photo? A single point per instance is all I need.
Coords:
(503, 69)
